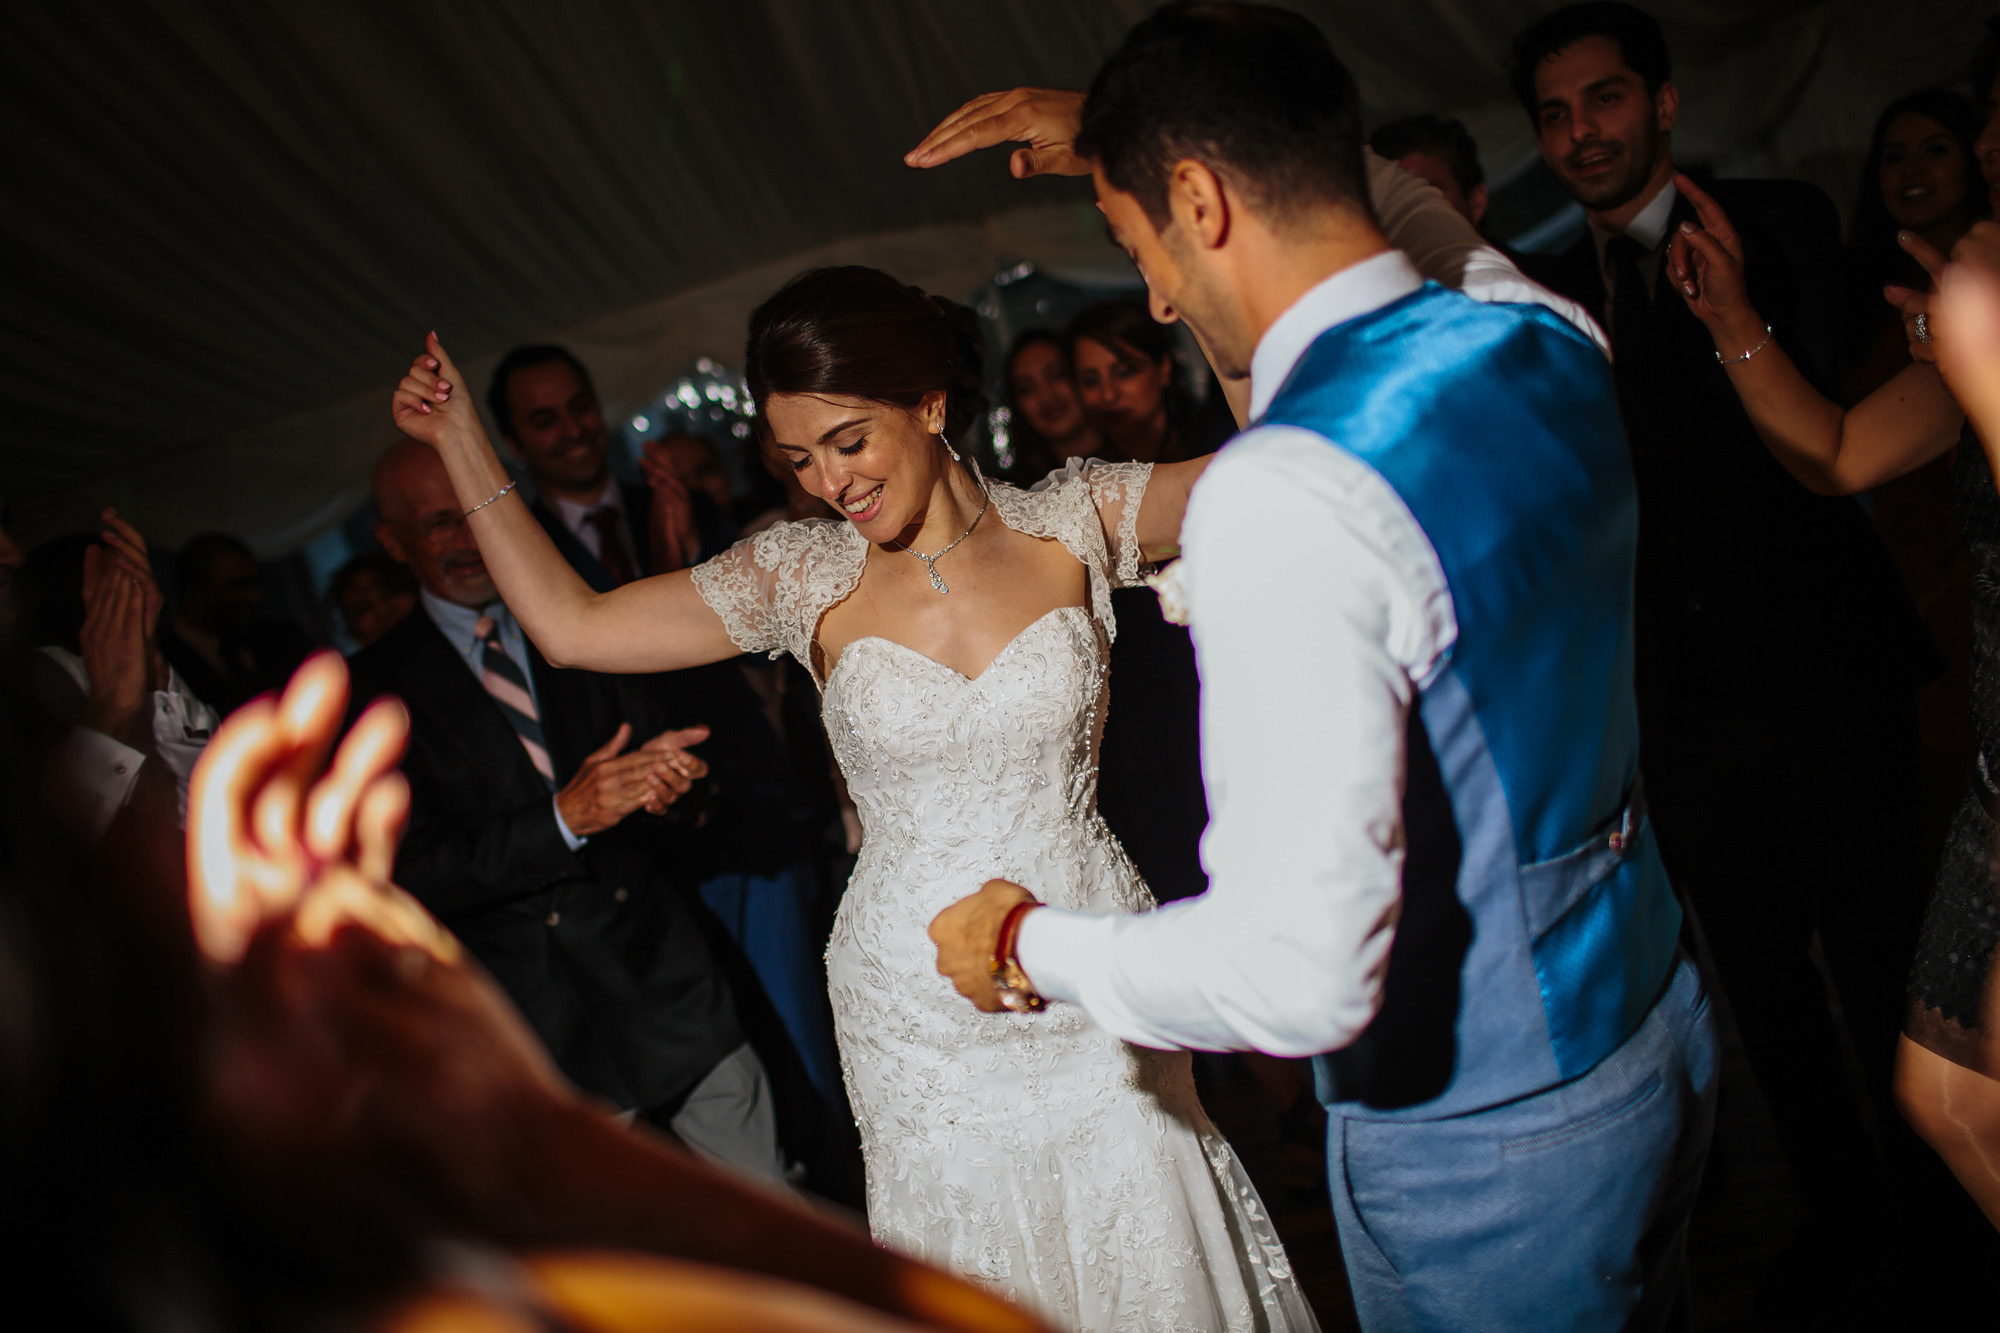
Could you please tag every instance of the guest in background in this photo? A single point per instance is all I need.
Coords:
(373, 592)
(101, 680)
(1442, 152)
(546, 408)
(1045, 416)
(1948, 1060)
(697, 464)
(225, 650)
(751, 860)
(1777, 654)
(532, 837)
(1922, 176)
(1134, 388)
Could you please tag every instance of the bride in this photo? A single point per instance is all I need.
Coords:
(958, 629)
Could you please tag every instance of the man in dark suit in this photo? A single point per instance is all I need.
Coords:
(219, 641)
(751, 861)
(542, 399)
(1777, 655)
(534, 836)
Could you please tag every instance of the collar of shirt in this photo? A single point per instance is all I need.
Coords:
(460, 626)
(1649, 228)
(1354, 291)
(573, 512)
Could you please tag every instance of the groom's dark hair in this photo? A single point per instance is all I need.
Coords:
(1252, 92)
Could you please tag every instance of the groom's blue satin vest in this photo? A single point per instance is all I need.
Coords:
(1538, 927)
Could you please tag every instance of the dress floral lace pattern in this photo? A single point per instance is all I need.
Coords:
(1035, 1153)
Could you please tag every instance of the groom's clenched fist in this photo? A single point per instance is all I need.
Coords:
(966, 934)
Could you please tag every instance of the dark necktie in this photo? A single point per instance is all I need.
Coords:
(1631, 303)
(508, 684)
(611, 550)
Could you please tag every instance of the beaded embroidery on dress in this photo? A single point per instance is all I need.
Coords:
(1034, 1153)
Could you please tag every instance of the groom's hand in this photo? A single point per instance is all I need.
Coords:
(1045, 119)
(966, 934)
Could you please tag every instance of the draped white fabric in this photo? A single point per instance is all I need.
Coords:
(229, 224)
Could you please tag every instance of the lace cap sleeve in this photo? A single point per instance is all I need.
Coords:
(1092, 507)
(1117, 490)
(770, 590)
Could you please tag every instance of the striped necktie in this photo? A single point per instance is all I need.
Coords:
(509, 687)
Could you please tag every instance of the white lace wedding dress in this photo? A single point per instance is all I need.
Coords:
(1036, 1153)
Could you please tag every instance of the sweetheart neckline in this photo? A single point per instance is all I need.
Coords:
(991, 662)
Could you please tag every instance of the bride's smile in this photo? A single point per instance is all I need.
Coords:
(885, 467)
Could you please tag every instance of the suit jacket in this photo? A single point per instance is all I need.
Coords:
(596, 946)
(1764, 612)
(711, 525)
(275, 649)
(757, 809)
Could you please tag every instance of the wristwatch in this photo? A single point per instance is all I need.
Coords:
(1016, 992)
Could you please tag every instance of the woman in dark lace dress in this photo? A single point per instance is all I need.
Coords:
(1948, 1064)
(1954, 994)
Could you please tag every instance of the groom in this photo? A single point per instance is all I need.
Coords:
(1410, 586)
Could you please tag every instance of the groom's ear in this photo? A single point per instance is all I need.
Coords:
(1199, 203)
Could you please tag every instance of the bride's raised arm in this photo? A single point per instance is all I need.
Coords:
(653, 624)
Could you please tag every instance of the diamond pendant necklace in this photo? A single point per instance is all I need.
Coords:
(930, 561)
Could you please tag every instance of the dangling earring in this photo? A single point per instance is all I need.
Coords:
(947, 445)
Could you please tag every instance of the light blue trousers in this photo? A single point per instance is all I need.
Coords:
(1565, 1210)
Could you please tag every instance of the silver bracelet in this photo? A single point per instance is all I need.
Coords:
(490, 499)
(1728, 360)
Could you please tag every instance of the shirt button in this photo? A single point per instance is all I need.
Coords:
(555, 918)
(621, 895)
(118, 769)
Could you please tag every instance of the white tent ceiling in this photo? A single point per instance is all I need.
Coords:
(229, 224)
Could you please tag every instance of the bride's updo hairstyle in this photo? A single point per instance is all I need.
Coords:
(857, 332)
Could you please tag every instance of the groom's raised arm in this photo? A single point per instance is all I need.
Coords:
(1316, 604)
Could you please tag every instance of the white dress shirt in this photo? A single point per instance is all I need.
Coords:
(1318, 610)
(1649, 229)
(460, 627)
(100, 771)
(1449, 250)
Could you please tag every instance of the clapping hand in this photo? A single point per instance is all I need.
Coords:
(274, 835)
(611, 784)
(1045, 119)
(427, 405)
(676, 544)
(126, 549)
(114, 643)
(343, 1012)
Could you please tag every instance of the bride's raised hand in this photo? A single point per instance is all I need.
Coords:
(1707, 266)
(431, 402)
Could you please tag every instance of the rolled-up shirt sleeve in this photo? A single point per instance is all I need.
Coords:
(1317, 605)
